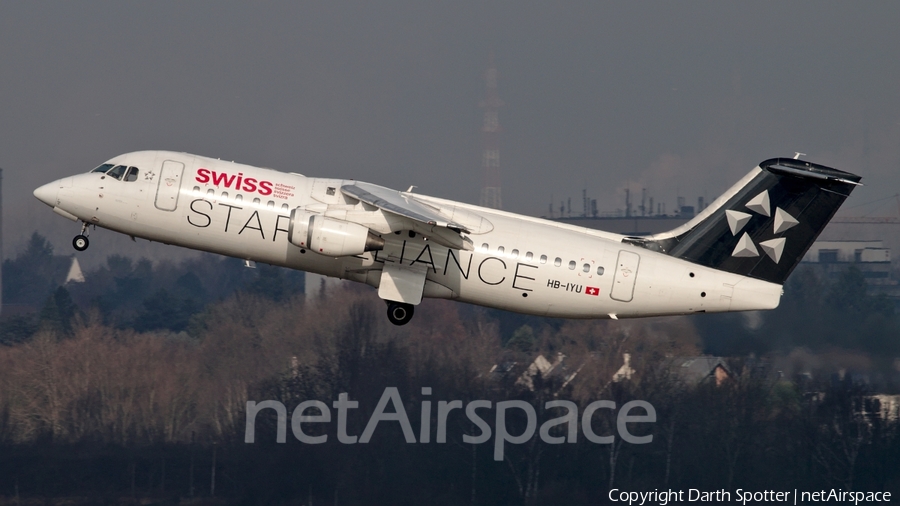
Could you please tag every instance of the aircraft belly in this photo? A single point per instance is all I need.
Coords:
(665, 286)
(527, 287)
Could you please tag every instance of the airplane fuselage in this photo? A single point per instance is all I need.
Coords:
(515, 262)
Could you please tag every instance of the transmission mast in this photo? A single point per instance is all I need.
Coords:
(490, 159)
(1, 240)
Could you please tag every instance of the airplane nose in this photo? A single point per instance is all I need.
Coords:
(47, 193)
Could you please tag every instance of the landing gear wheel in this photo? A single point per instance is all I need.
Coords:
(400, 313)
(80, 242)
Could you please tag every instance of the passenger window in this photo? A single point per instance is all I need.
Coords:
(501, 250)
(485, 247)
(210, 193)
(132, 174)
(284, 207)
(224, 195)
(572, 265)
(600, 270)
(529, 257)
(256, 200)
(196, 190)
(515, 253)
(557, 262)
(103, 168)
(586, 268)
(544, 259)
(238, 198)
(117, 172)
(271, 204)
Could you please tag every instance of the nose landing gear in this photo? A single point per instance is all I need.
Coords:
(400, 313)
(81, 242)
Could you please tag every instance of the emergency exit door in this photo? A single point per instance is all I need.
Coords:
(169, 185)
(626, 274)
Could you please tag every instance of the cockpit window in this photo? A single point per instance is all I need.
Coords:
(132, 174)
(103, 168)
(117, 172)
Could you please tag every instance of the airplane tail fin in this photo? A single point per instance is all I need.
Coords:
(763, 225)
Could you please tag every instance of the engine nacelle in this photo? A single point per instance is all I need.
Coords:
(331, 237)
(298, 229)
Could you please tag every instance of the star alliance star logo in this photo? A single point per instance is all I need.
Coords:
(149, 176)
(759, 204)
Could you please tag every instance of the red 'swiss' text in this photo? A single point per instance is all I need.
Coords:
(237, 182)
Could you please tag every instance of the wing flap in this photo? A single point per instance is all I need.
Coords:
(403, 283)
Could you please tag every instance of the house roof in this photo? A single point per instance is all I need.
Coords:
(560, 368)
(696, 369)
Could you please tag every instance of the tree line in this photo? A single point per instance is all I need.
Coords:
(118, 398)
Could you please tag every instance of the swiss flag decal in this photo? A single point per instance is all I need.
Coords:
(592, 290)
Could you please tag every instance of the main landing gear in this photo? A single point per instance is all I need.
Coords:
(81, 242)
(400, 313)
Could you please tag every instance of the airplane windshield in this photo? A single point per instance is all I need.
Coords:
(132, 174)
(117, 172)
(103, 168)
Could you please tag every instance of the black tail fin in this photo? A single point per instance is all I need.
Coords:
(762, 226)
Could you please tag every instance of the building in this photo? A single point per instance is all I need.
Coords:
(831, 258)
(690, 371)
(557, 374)
(698, 370)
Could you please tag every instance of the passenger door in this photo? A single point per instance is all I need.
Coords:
(169, 185)
(626, 274)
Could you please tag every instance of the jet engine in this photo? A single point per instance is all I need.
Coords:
(331, 237)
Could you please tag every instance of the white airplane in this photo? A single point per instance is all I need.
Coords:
(733, 256)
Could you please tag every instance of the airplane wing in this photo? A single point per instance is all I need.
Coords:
(423, 218)
(400, 204)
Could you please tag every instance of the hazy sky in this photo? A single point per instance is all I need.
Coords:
(678, 97)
